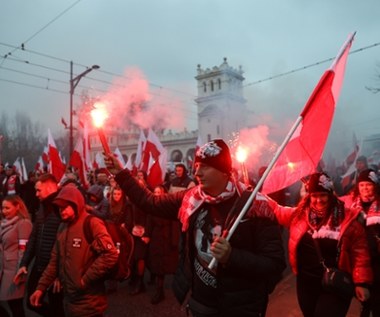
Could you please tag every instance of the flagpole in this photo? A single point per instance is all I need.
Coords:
(259, 185)
(229, 232)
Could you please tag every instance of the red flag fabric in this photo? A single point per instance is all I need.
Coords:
(156, 153)
(77, 161)
(303, 152)
(39, 167)
(56, 167)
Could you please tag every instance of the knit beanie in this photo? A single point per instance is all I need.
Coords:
(320, 182)
(368, 175)
(215, 154)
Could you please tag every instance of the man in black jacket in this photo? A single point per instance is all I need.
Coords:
(40, 244)
(249, 264)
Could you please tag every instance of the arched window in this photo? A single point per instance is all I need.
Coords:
(212, 85)
(204, 87)
(176, 156)
(219, 84)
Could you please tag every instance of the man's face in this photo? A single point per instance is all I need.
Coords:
(211, 180)
(102, 178)
(43, 190)
(67, 213)
(179, 171)
(360, 165)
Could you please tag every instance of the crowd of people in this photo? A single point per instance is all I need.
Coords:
(180, 228)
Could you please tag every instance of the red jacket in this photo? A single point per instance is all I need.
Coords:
(354, 256)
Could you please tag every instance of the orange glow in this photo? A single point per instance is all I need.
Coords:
(291, 165)
(241, 154)
(99, 114)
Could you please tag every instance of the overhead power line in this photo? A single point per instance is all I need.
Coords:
(308, 66)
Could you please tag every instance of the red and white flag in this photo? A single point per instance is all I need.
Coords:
(77, 161)
(157, 155)
(119, 156)
(39, 167)
(139, 152)
(55, 167)
(301, 155)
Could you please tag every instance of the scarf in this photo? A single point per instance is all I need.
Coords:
(195, 197)
(7, 224)
(327, 226)
(372, 215)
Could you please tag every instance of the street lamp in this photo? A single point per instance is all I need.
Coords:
(73, 83)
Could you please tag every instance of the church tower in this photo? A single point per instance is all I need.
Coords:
(221, 105)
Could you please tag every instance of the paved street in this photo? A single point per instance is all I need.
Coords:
(283, 302)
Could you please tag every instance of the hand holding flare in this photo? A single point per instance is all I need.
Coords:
(99, 114)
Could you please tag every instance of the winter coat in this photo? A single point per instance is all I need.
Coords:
(163, 246)
(255, 263)
(353, 258)
(11, 231)
(43, 236)
(73, 259)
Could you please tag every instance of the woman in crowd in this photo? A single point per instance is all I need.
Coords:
(163, 249)
(15, 228)
(320, 221)
(117, 215)
(366, 199)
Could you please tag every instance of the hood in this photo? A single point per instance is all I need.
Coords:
(71, 194)
(97, 191)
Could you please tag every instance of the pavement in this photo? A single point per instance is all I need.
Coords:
(282, 303)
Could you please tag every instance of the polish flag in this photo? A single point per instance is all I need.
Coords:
(24, 171)
(302, 153)
(157, 159)
(77, 161)
(18, 169)
(99, 160)
(55, 167)
(139, 152)
(39, 167)
(119, 156)
(45, 155)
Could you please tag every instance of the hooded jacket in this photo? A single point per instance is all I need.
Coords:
(100, 207)
(73, 259)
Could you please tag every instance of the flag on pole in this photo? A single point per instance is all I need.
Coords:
(140, 161)
(119, 156)
(77, 161)
(55, 167)
(302, 153)
(157, 157)
(39, 167)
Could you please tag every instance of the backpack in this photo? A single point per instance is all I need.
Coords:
(124, 243)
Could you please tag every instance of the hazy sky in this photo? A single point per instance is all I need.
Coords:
(165, 41)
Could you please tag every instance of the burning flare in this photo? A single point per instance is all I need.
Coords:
(241, 154)
(99, 114)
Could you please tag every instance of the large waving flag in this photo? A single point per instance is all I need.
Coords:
(301, 154)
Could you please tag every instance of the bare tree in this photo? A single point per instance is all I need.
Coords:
(21, 138)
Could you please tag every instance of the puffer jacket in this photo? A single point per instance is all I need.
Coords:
(255, 265)
(43, 235)
(73, 259)
(354, 256)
